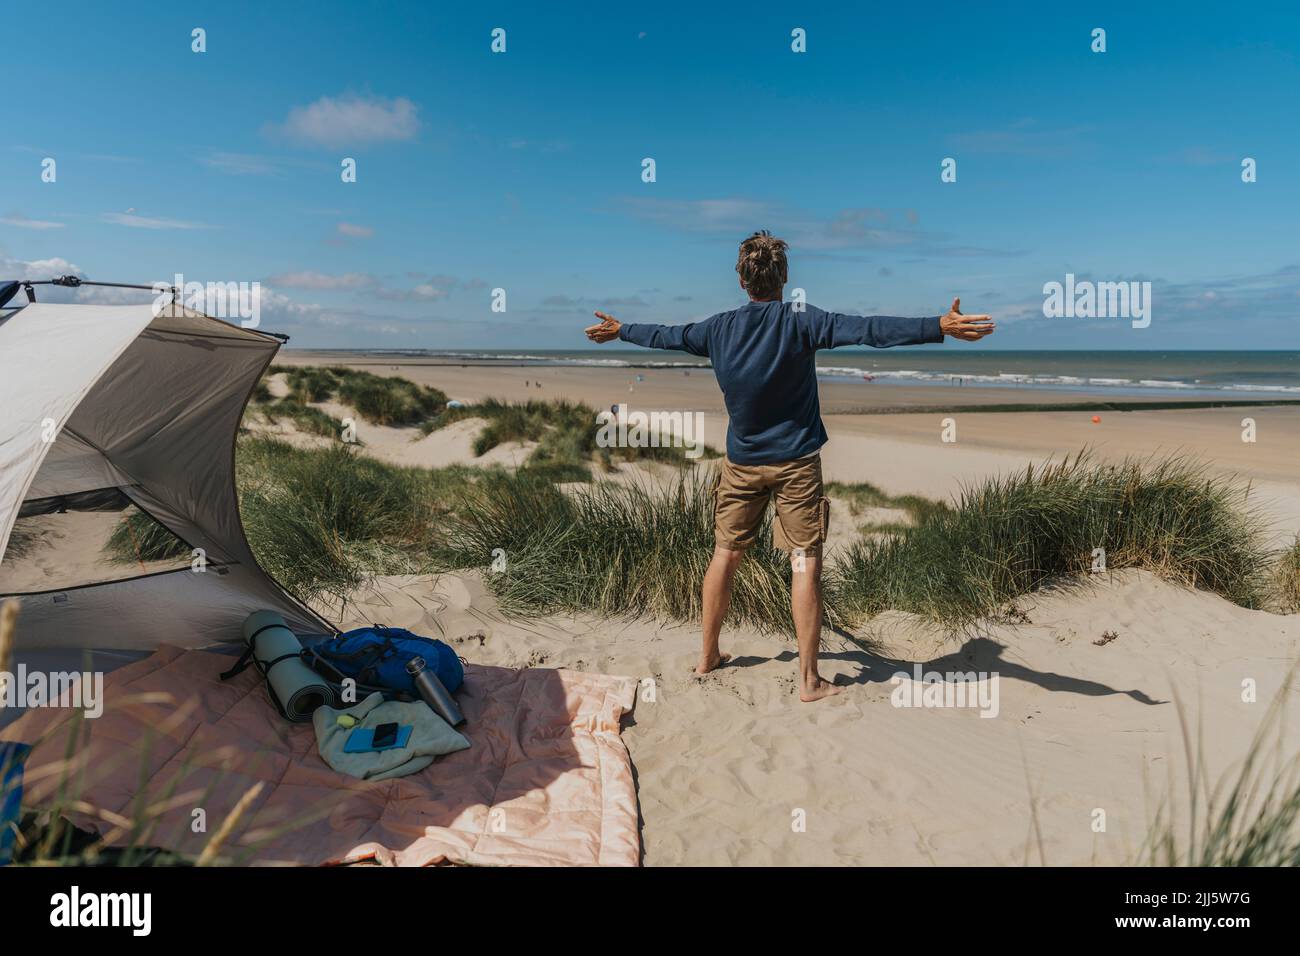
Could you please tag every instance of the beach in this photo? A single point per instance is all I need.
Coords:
(729, 765)
(904, 452)
(1068, 724)
(1104, 685)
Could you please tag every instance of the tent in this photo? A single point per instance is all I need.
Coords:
(113, 411)
(110, 408)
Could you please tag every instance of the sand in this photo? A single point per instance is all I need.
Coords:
(71, 549)
(1087, 743)
(728, 765)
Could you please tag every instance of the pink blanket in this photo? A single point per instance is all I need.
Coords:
(547, 780)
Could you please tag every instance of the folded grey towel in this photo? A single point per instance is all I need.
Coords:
(431, 736)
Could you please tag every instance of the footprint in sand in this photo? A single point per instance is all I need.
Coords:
(468, 638)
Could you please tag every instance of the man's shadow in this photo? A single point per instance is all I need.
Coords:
(980, 654)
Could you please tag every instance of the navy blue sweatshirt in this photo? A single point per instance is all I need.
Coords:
(764, 356)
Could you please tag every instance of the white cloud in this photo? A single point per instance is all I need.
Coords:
(420, 293)
(146, 222)
(350, 120)
(279, 304)
(39, 270)
(567, 303)
(703, 215)
(426, 288)
(809, 233)
(239, 164)
(323, 281)
(736, 218)
(35, 269)
(22, 222)
(355, 231)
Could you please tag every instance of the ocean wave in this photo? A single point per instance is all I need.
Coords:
(560, 360)
(1033, 380)
(1261, 388)
(1018, 379)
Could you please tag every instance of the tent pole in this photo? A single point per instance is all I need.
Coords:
(72, 282)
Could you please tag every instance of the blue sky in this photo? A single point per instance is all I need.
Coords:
(522, 170)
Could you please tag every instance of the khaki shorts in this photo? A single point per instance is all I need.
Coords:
(741, 494)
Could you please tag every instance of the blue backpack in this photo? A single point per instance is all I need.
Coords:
(375, 657)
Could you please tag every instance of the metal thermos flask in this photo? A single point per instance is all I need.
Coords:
(433, 693)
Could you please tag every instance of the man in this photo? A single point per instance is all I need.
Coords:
(763, 355)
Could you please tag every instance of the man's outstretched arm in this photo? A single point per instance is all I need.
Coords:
(829, 330)
(693, 337)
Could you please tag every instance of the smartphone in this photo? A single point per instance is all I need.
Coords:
(369, 739)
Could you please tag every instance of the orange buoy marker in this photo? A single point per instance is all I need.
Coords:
(1096, 419)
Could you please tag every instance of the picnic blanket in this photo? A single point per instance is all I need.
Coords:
(547, 779)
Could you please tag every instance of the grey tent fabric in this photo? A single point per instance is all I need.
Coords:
(116, 397)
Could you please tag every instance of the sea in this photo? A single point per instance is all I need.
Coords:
(1240, 374)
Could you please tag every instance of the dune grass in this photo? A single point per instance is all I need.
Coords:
(138, 537)
(385, 400)
(514, 421)
(565, 433)
(611, 549)
(307, 418)
(322, 520)
(533, 420)
(559, 472)
(1011, 535)
(21, 539)
(1288, 578)
(307, 383)
(1250, 819)
(862, 495)
(950, 564)
(379, 399)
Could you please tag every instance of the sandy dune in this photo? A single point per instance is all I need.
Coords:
(726, 763)
(452, 445)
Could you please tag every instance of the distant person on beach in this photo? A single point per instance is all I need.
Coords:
(764, 357)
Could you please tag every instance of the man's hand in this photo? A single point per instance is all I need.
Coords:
(606, 331)
(971, 328)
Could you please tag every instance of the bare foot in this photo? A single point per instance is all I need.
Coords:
(818, 691)
(711, 663)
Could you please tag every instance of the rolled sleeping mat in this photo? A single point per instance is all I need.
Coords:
(297, 689)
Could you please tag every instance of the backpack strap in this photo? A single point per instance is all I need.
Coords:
(335, 678)
(241, 665)
(246, 658)
(366, 660)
